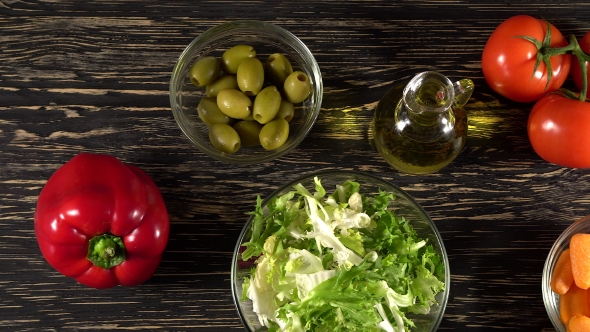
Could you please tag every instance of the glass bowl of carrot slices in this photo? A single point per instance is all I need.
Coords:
(566, 279)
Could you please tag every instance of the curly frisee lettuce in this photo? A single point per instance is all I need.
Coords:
(338, 262)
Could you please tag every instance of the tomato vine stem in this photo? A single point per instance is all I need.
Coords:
(545, 52)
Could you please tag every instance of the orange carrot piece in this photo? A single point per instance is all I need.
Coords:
(580, 257)
(562, 277)
(579, 323)
(574, 303)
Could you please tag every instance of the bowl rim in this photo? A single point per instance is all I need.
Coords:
(295, 43)
(353, 173)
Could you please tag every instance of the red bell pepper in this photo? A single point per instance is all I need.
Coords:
(102, 222)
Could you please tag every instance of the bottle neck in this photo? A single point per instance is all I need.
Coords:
(429, 92)
(428, 125)
(424, 113)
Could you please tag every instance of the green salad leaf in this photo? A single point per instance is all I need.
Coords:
(338, 262)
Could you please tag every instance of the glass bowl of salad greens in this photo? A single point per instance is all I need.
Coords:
(340, 251)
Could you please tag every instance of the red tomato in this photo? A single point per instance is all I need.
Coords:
(576, 71)
(508, 62)
(559, 130)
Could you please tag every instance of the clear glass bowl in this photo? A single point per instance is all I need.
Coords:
(266, 38)
(550, 298)
(404, 204)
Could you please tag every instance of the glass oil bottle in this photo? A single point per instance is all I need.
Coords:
(421, 127)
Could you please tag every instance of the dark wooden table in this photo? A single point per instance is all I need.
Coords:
(93, 76)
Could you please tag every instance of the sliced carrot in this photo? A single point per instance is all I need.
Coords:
(579, 324)
(562, 277)
(580, 257)
(574, 303)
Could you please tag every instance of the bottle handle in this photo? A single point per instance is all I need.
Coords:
(463, 90)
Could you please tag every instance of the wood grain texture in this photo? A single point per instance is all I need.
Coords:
(93, 76)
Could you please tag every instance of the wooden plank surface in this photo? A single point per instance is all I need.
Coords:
(93, 76)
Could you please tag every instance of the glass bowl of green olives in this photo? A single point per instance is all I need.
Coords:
(246, 92)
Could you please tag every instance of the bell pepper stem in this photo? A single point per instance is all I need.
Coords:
(106, 251)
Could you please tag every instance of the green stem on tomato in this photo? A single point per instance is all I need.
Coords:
(582, 58)
(584, 70)
(106, 251)
(575, 49)
(545, 52)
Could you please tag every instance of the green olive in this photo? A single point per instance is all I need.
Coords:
(204, 71)
(231, 58)
(266, 105)
(250, 76)
(274, 134)
(286, 111)
(224, 138)
(278, 68)
(297, 87)
(225, 81)
(249, 131)
(210, 113)
(234, 103)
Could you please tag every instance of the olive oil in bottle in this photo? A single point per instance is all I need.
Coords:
(420, 127)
